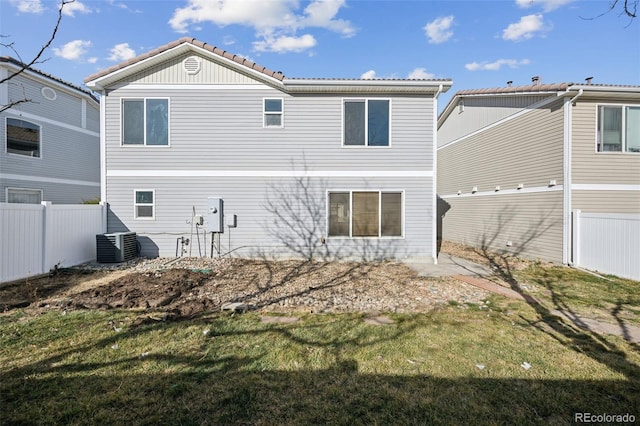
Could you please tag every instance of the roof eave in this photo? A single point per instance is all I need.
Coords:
(299, 85)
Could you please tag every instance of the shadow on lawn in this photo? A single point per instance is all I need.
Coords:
(558, 320)
(218, 388)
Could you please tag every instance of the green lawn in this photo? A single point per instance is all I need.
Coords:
(460, 364)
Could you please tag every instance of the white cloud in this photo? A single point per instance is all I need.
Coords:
(420, 74)
(285, 44)
(369, 75)
(439, 30)
(28, 6)
(70, 9)
(92, 60)
(525, 29)
(73, 50)
(496, 65)
(228, 40)
(275, 21)
(547, 5)
(121, 52)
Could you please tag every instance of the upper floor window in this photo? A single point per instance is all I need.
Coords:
(145, 121)
(366, 122)
(23, 138)
(618, 129)
(273, 112)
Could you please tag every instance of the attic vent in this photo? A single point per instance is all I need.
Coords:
(191, 65)
(48, 93)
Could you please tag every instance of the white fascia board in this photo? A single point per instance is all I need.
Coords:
(611, 89)
(306, 85)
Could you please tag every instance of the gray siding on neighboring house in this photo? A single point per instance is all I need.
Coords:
(531, 222)
(527, 149)
(481, 111)
(259, 231)
(589, 166)
(68, 169)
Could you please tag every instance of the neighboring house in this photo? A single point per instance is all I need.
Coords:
(50, 142)
(514, 162)
(304, 167)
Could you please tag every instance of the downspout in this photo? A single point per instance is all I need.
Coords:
(567, 252)
(103, 158)
(434, 205)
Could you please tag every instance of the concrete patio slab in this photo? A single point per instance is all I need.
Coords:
(447, 266)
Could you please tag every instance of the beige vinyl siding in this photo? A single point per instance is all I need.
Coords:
(259, 231)
(606, 201)
(222, 129)
(480, 112)
(591, 167)
(172, 72)
(532, 222)
(526, 150)
(66, 108)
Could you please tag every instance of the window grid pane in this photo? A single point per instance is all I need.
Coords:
(366, 214)
(133, 122)
(610, 129)
(339, 214)
(632, 134)
(273, 105)
(354, 123)
(391, 223)
(157, 122)
(378, 123)
(273, 120)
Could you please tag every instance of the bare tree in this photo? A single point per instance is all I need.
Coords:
(37, 59)
(629, 7)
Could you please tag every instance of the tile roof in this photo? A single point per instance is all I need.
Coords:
(10, 60)
(213, 49)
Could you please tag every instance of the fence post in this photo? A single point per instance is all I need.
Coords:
(575, 232)
(105, 208)
(46, 211)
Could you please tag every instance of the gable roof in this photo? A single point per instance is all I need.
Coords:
(17, 65)
(178, 47)
(557, 89)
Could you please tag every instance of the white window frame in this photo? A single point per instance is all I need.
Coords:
(136, 204)
(265, 112)
(144, 145)
(380, 192)
(13, 188)
(623, 129)
(366, 123)
(6, 139)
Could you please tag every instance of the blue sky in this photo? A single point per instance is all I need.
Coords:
(477, 44)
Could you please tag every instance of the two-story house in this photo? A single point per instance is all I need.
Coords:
(515, 162)
(50, 138)
(274, 165)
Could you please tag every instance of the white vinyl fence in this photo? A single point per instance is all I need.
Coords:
(607, 243)
(35, 238)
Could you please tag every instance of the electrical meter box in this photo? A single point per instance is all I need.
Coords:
(215, 215)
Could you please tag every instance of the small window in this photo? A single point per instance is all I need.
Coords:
(144, 204)
(365, 214)
(24, 195)
(618, 129)
(273, 112)
(23, 138)
(145, 122)
(366, 122)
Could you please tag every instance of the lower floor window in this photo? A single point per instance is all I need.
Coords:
(24, 195)
(365, 214)
(144, 204)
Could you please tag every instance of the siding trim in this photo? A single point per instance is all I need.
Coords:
(270, 173)
(604, 187)
(49, 121)
(526, 110)
(531, 190)
(28, 178)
